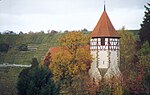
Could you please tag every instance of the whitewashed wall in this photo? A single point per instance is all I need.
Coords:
(105, 57)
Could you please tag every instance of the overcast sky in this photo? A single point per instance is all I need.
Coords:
(37, 15)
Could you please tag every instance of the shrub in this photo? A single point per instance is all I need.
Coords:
(23, 47)
(4, 47)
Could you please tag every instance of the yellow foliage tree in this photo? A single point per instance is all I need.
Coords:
(73, 58)
(72, 61)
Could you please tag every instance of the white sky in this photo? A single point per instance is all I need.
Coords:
(37, 15)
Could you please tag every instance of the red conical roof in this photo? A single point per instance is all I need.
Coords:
(104, 27)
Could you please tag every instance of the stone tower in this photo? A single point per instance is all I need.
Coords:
(105, 49)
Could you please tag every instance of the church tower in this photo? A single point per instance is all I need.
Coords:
(105, 49)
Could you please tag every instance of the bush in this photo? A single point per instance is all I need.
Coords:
(23, 47)
(4, 47)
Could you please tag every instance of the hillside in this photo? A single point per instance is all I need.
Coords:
(37, 44)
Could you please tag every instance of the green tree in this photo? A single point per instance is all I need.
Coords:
(36, 81)
(144, 54)
(127, 49)
(144, 59)
(145, 26)
(131, 70)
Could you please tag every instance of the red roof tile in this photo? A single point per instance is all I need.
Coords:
(54, 50)
(104, 27)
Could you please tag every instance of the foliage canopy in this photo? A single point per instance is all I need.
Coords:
(73, 58)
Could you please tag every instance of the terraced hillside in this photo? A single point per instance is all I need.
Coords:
(37, 44)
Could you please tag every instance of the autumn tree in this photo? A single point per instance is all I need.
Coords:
(72, 60)
(144, 60)
(144, 55)
(127, 49)
(145, 26)
(47, 60)
(131, 70)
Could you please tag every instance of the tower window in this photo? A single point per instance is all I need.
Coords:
(102, 41)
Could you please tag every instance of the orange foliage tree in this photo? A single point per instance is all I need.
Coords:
(72, 60)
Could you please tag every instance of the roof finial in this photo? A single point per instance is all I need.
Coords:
(104, 5)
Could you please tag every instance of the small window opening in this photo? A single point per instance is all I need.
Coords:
(102, 41)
